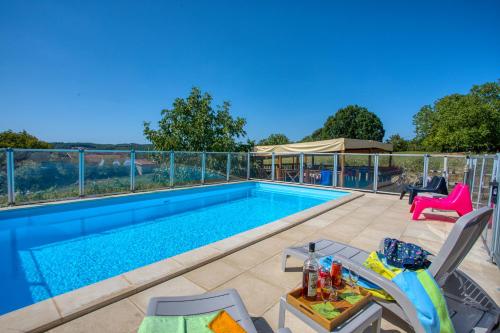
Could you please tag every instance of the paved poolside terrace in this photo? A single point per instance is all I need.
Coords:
(255, 270)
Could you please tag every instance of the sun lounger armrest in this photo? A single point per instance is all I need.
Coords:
(391, 288)
(284, 330)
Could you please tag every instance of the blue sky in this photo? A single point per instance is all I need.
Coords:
(95, 70)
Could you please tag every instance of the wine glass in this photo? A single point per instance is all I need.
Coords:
(353, 276)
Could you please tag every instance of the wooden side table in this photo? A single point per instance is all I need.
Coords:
(369, 316)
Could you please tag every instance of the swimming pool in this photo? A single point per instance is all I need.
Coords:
(52, 249)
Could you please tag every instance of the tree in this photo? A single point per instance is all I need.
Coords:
(461, 122)
(398, 142)
(354, 122)
(193, 125)
(11, 139)
(315, 136)
(275, 139)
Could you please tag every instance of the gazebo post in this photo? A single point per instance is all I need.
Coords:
(280, 159)
(342, 167)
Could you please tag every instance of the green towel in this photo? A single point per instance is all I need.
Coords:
(326, 310)
(177, 324)
(351, 297)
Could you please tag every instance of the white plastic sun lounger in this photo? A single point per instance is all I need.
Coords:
(470, 307)
(228, 300)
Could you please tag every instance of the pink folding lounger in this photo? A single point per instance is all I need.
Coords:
(458, 200)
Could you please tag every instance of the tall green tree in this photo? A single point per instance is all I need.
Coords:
(398, 142)
(354, 122)
(192, 124)
(275, 139)
(461, 122)
(11, 139)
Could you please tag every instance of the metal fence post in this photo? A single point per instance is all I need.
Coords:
(248, 165)
(11, 193)
(301, 170)
(335, 169)
(480, 189)
(132, 170)
(172, 168)
(228, 167)
(272, 166)
(426, 170)
(375, 173)
(81, 172)
(495, 244)
(203, 166)
(445, 168)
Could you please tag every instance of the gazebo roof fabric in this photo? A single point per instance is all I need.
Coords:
(325, 146)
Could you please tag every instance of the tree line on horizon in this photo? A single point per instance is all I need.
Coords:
(454, 123)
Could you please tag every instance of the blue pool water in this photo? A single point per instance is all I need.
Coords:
(49, 250)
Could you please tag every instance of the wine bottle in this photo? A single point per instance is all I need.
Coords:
(310, 275)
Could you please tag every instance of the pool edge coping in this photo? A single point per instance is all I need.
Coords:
(63, 308)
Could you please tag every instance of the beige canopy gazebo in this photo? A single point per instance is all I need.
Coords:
(340, 145)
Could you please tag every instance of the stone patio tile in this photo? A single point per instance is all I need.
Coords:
(270, 246)
(364, 212)
(270, 271)
(91, 295)
(353, 220)
(258, 295)
(291, 321)
(245, 258)
(365, 242)
(152, 272)
(213, 274)
(321, 221)
(179, 286)
(230, 243)
(379, 232)
(119, 317)
(297, 233)
(341, 232)
(425, 231)
(29, 318)
(196, 256)
(396, 215)
(391, 226)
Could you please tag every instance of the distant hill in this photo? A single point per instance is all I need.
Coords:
(103, 146)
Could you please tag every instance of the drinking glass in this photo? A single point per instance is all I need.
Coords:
(326, 289)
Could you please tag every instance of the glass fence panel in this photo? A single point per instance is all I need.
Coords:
(318, 169)
(287, 168)
(481, 186)
(356, 171)
(3, 179)
(436, 167)
(456, 168)
(396, 171)
(215, 167)
(107, 172)
(238, 166)
(187, 169)
(152, 170)
(260, 166)
(45, 175)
